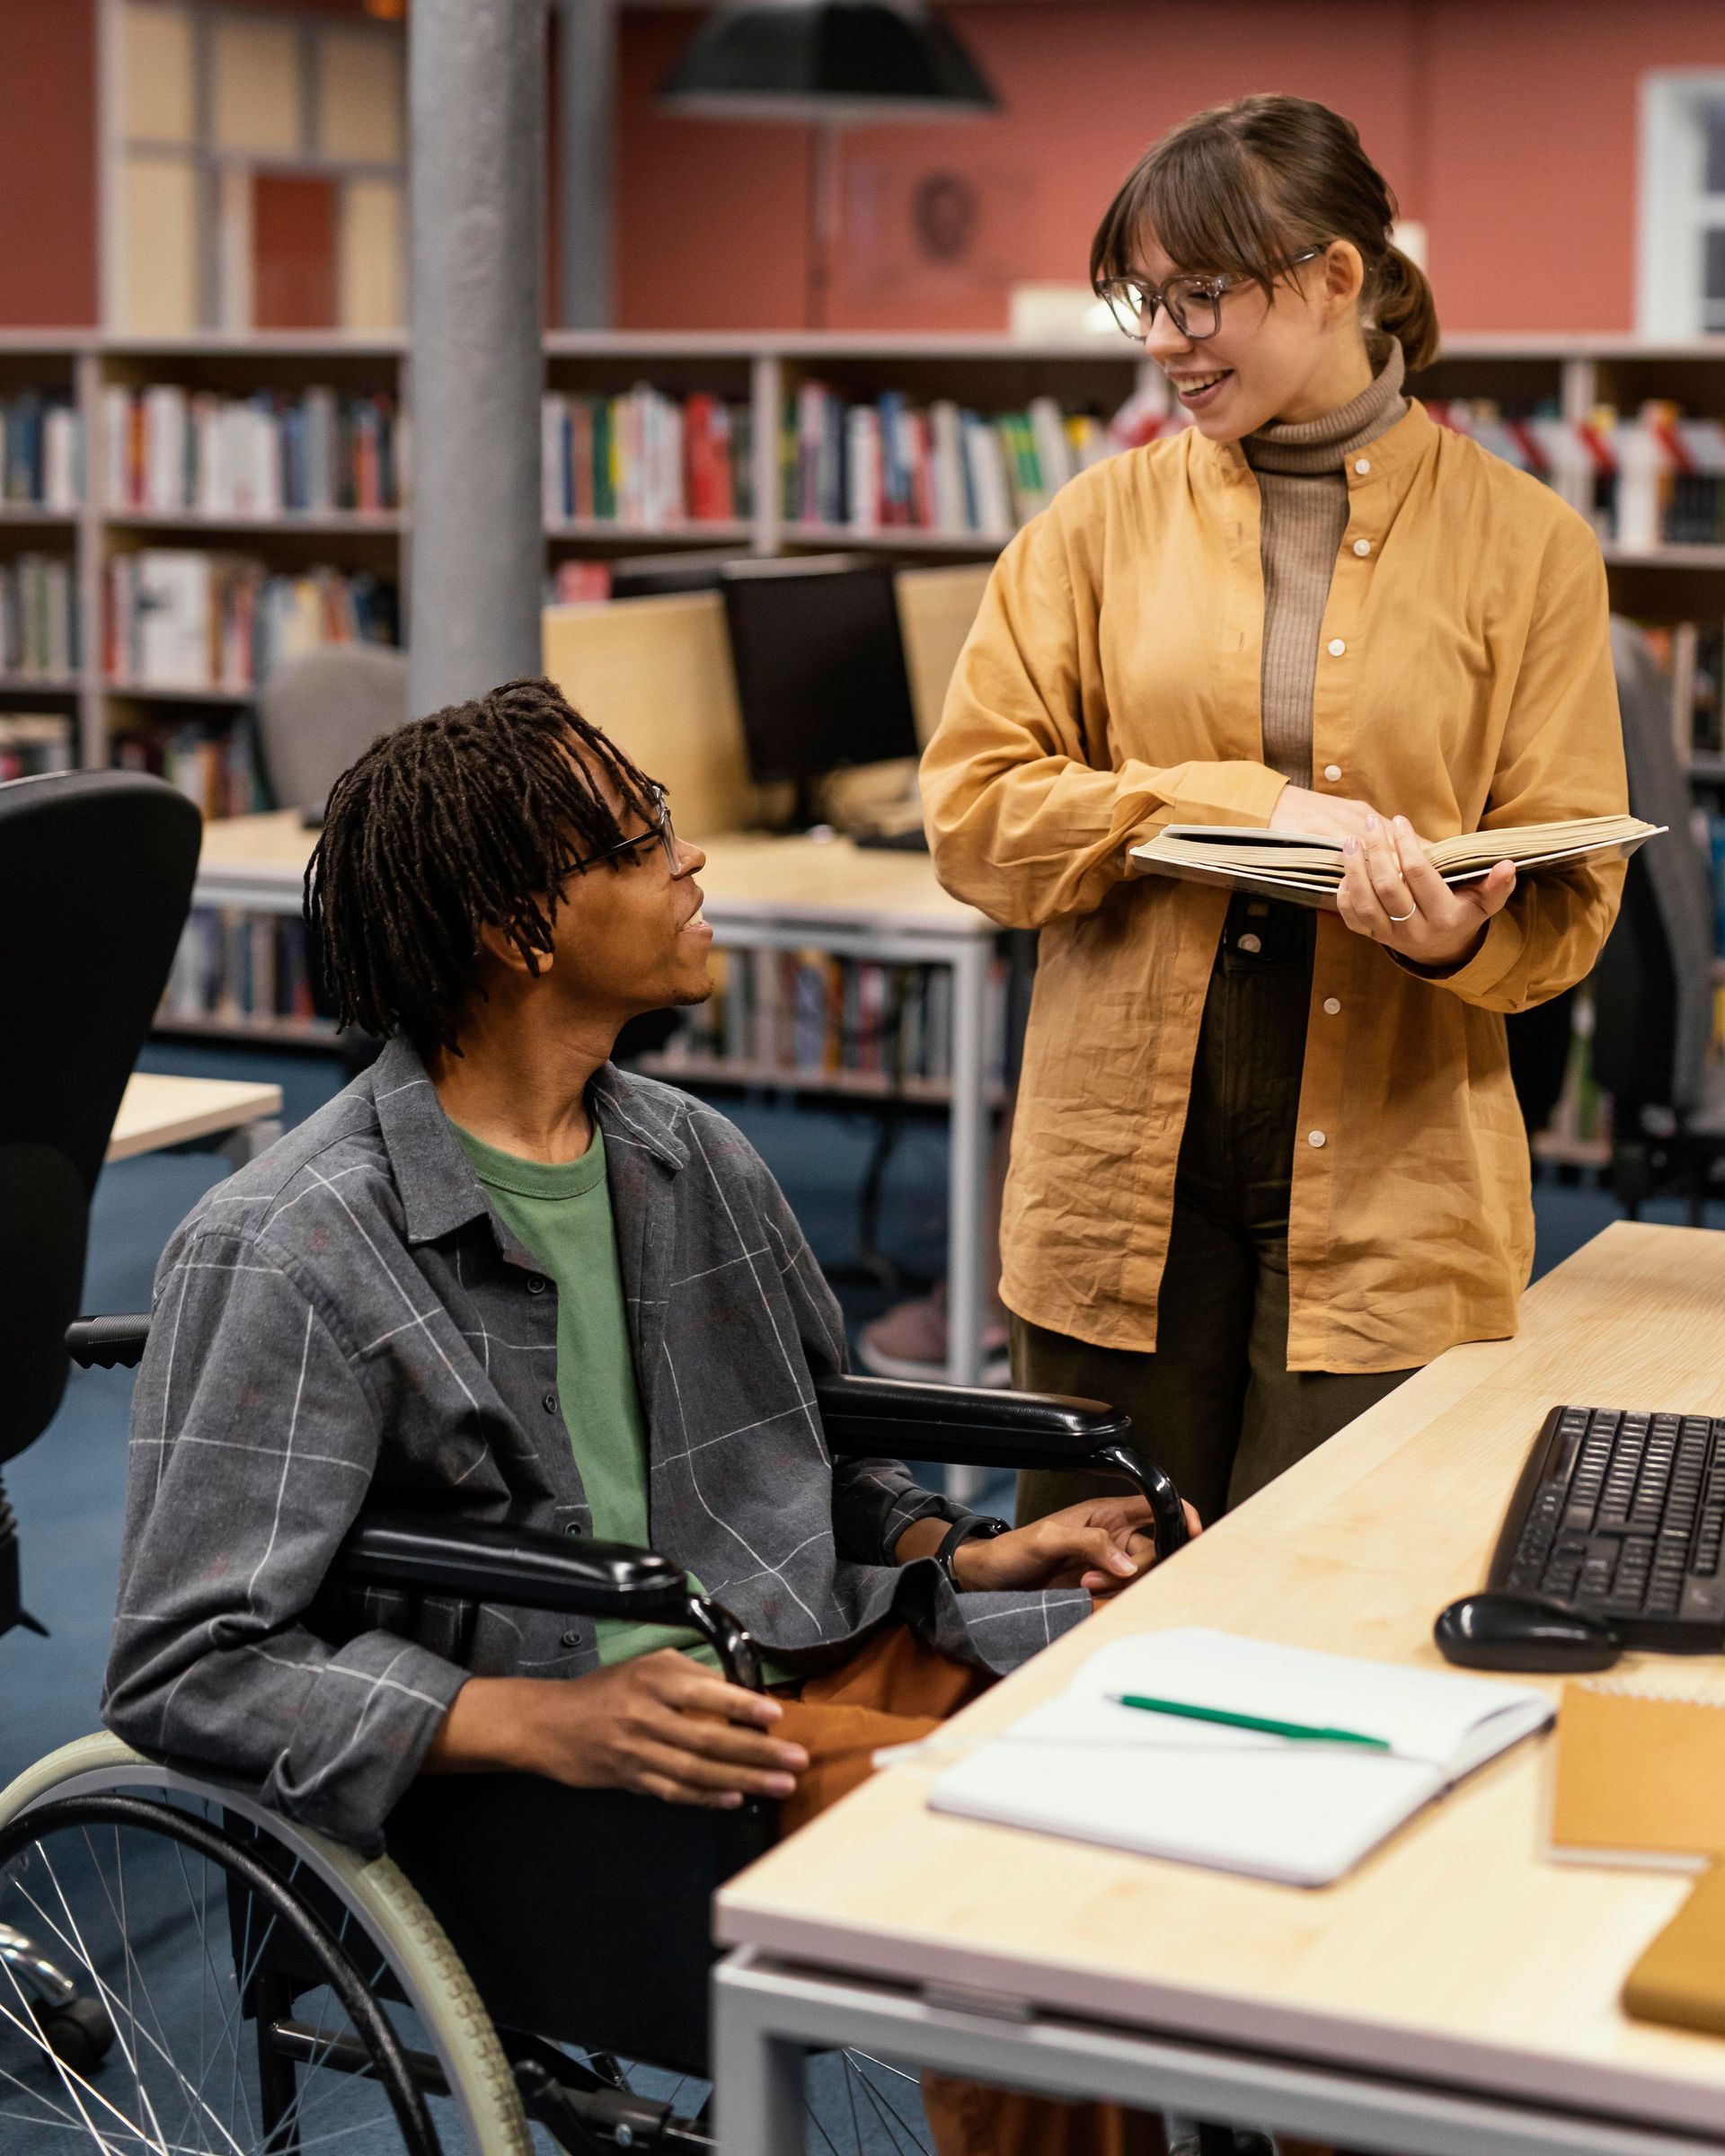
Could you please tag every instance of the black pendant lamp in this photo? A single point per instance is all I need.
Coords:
(833, 63)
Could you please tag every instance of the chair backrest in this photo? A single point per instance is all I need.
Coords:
(318, 713)
(96, 870)
(1652, 988)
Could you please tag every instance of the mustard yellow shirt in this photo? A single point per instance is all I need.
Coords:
(1110, 685)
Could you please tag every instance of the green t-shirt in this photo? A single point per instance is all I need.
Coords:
(563, 1214)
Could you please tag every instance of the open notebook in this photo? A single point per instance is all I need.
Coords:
(1298, 1812)
(1308, 871)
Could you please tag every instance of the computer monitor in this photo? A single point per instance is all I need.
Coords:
(647, 576)
(820, 668)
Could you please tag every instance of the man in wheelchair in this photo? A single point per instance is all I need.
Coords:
(499, 1278)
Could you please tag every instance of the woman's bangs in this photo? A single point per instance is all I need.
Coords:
(1204, 205)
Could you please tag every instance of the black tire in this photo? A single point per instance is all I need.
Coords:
(79, 2032)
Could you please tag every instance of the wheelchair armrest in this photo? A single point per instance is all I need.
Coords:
(108, 1342)
(527, 1566)
(966, 1426)
(536, 1570)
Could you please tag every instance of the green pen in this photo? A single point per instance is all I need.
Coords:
(1302, 1732)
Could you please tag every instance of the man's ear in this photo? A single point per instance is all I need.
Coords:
(501, 948)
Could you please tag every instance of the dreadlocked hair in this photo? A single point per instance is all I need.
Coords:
(474, 817)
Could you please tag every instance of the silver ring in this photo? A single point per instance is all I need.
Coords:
(1412, 911)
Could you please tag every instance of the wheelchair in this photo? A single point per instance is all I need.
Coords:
(182, 1969)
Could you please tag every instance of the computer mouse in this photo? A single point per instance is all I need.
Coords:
(1523, 1631)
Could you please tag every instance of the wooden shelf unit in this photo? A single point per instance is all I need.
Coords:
(987, 373)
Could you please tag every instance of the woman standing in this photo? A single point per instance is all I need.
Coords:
(1266, 1163)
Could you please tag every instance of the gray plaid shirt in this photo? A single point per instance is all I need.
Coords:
(348, 1313)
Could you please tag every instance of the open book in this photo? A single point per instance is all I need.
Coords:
(1297, 1811)
(1296, 866)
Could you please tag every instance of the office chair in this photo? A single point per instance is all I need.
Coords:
(319, 711)
(1653, 986)
(95, 880)
(296, 1955)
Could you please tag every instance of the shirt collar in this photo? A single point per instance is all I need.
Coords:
(439, 1190)
(1393, 456)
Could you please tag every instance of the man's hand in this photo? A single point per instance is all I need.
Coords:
(1323, 814)
(660, 1725)
(1392, 893)
(1103, 1546)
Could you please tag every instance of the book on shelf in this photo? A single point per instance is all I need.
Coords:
(184, 618)
(171, 450)
(645, 460)
(815, 1018)
(34, 742)
(214, 762)
(41, 451)
(1306, 869)
(236, 969)
(38, 618)
(894, 464)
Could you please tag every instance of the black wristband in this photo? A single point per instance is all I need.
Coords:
(975, 1526)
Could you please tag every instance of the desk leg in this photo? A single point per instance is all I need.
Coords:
(966, 1256)
(249, 1140)
(758, 2079)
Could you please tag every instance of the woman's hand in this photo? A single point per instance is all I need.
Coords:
(1392, 893)
(1102, 1545)
(1323, 814)
(660, 1725)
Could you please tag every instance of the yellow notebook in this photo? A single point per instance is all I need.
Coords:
(1639, 1778)
(1681, 1976)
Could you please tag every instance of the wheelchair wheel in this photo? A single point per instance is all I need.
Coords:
(267, 1991)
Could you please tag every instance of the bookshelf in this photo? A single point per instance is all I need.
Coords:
(1561, 382)
(758, 376)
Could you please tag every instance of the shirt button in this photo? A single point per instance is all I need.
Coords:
(549, 1403)
(1362, 547)
(1335, 647)
(1332, 771)
(571, 1638)
(1332, 1005)
(1314, 1137)
(1252, 943)
(536, 1284)
(574, 1527)
(1362, 464)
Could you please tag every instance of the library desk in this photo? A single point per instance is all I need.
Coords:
(1454, 1996)
(776, 894)
(156, 1111)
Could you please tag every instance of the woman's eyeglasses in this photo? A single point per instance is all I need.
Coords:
(1194, 304)
(661, 834)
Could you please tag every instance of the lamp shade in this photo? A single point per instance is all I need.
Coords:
(840, 62)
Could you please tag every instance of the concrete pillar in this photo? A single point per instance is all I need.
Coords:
(476, 99)
(586, 90)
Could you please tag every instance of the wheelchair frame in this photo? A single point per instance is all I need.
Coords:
(497, 2082)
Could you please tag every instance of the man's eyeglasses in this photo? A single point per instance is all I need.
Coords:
(1194, 304)
(661, 834)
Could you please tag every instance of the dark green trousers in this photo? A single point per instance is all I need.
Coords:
(1217, 1403)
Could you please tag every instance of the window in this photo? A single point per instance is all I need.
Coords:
(1682, 268)
(259, 176)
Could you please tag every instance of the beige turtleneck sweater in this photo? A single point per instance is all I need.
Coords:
(1304, 498)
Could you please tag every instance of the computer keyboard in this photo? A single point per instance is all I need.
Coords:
(1621, 1514)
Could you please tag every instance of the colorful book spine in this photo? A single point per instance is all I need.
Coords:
(810, 1018)
(172, 451)
(41, 451)
(235, 970)
(645, 461)
(39, 627)
(182, 618)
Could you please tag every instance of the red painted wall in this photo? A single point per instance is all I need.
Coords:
(48, 164)
(1508, 127)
